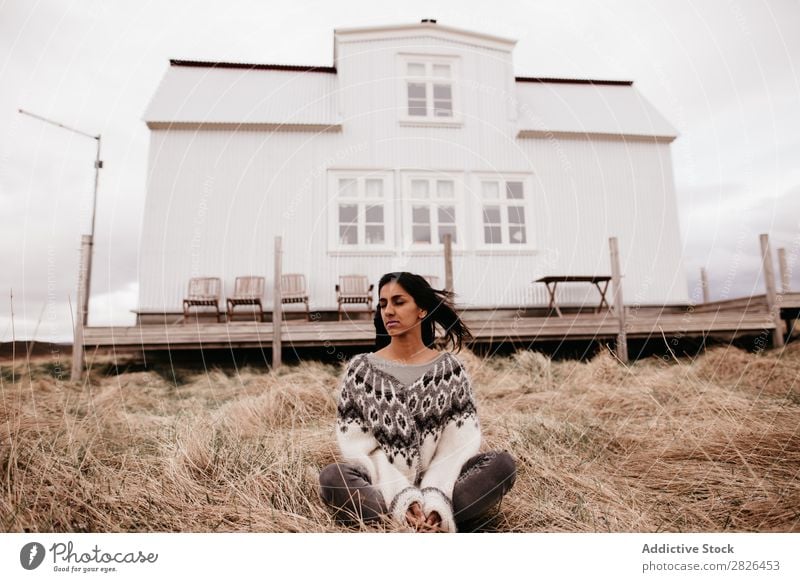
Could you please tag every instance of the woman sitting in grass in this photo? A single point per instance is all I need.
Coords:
(406, 422)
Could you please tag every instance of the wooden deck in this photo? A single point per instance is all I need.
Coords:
(752, 304)
(746, 316)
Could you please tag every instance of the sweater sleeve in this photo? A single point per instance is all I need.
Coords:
(359, 446)
(460, 439)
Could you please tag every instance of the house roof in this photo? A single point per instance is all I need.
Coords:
(295, 97)
(571, 81)
(278, 96)
(224, 65)
(585, 107)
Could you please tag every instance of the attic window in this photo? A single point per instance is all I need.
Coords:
(429, 89)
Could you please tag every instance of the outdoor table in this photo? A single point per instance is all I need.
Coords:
(552, 282)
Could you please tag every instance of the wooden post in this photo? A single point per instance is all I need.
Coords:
(277, 307)
(769, 280)
(82, 315)
(704, 284)
(448, 262)
(784, 269)
(619, 306)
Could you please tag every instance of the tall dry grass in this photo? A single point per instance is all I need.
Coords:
(710, 445)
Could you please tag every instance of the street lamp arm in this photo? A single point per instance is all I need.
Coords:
(61, 125)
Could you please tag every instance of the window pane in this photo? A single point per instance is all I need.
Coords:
(491, 235)
(416, 69)
(516, 215)
(442, 109)
(514, 190)
(447, 215)
(447, 229)
(445, 189)
(416, 99)
(491, 215)
(374, 188)
(443, 92)
(417, 108)
(348, 235)
(419, 189)
(516, 234)
(441, 71)
(348, 213)
(422, 233)
(348, 188)
(374, 234)
(442, 101)
(490, 190)
(421, 215)
(416, 91)
(375, 214)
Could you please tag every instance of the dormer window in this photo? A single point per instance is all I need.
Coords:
(429, 90)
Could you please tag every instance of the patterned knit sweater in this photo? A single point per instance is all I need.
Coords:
(412, 440)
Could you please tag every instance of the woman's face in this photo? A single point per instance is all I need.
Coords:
(399, 312)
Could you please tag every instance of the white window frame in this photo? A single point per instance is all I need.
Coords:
(407, 203)
(503, 202)
(362, 201)
(429, 60)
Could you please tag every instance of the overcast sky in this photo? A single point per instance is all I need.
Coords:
(725, 73)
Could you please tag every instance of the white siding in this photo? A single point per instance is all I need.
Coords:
(589, 190)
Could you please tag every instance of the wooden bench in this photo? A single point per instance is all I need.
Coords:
(354, 289)
(551, 282)
(247, 291)
(203, 292)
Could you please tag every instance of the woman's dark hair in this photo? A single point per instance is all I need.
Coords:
(438, 303)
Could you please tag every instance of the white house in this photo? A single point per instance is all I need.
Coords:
(415, 131)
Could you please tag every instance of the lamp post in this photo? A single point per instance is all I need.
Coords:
(87, 246)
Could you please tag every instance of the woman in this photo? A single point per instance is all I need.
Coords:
(406, 422)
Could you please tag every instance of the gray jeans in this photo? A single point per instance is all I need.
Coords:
(483, 481)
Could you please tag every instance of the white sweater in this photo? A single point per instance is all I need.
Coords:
(412, 440)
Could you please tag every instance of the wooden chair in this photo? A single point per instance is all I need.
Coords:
(293, 290)
(203, 292)
(247, 291)
(354, 289)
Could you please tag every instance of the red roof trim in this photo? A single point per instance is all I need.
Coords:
(572, 81)
(212, 65)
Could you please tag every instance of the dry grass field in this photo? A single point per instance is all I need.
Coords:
(708, 445)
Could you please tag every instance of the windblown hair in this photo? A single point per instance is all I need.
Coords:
(439, 306)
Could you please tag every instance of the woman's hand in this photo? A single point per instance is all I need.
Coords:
(432, 524)
(414, 516)
(416, 519)
(434, 520)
